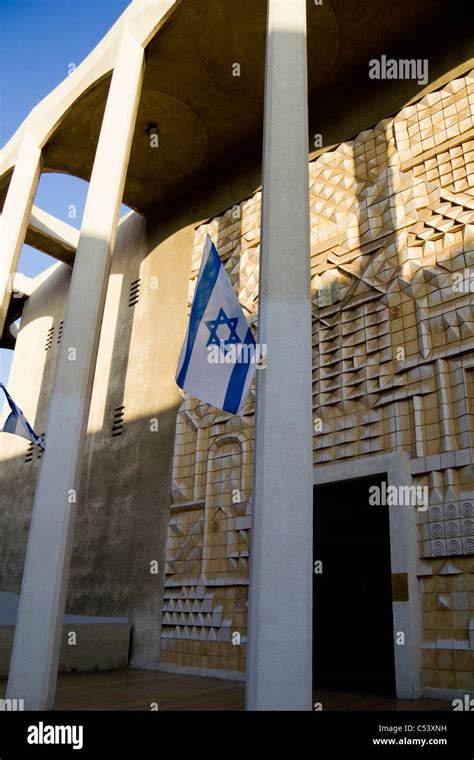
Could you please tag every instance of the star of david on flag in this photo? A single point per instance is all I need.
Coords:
(217, 361)
(213, 324)
(16, 422)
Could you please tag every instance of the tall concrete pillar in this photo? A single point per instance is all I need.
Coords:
(34, 664)
(279, 665)
(15, 215)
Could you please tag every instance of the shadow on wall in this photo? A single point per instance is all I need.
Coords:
(125, 487)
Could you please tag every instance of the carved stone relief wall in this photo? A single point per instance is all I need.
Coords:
(392, 267)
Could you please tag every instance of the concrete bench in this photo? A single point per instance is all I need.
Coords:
(101, 643)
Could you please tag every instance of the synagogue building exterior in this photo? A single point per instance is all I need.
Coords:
(165, 505)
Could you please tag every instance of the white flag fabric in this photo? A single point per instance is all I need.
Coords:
(217, 362)
(16, 422)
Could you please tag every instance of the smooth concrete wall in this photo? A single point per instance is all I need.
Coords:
(126, 479)
(29, 383)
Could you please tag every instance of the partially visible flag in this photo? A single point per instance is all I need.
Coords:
(17, 423)
(218, 357)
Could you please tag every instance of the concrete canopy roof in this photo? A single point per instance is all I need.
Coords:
(204, 114)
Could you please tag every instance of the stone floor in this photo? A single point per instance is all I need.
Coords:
(137, 689)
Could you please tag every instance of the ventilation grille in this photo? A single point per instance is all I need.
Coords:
(60, 331)
(31, 450)
(134, 294)
(29, 453)
(117, 427)
(49, 339)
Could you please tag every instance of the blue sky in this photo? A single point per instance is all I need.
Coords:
(38, 41)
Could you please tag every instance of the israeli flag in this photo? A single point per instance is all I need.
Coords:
(17, 423)
(218, 357)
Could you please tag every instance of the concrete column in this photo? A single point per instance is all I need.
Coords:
(34, 665)
(15, 215)
(279, 665)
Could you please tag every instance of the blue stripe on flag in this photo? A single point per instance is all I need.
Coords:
(32, 433)
(203, 293)
(9, 399)
(237, 380)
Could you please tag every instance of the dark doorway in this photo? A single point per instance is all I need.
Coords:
(353, 639)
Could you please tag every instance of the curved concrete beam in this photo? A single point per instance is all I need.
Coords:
(144, 18)
(52, 236)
